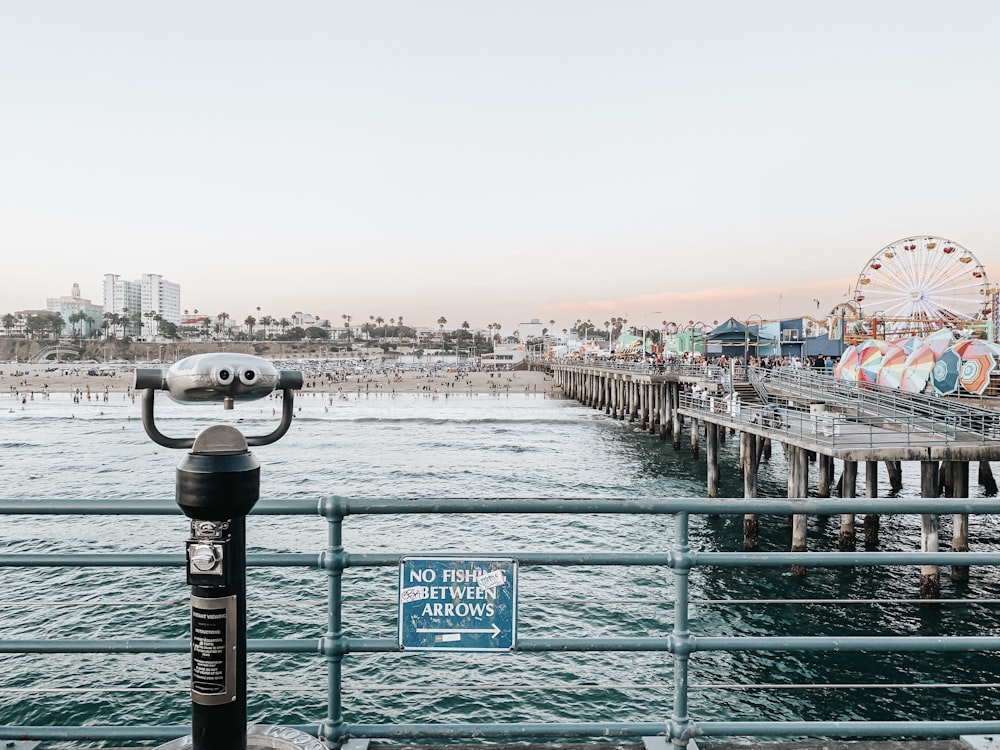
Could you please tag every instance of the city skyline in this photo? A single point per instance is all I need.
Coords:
(492, 163)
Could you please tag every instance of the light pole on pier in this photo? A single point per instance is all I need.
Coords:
(746, 339)
(653, 312)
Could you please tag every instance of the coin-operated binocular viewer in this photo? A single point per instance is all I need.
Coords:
(218, 483)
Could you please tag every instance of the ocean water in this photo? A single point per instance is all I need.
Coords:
(418, 445)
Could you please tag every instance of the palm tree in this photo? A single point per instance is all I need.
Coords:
(75, 318)
(56, 324)
(250, 321)
(441, 321)
(347, 323)
(266, 321)
(220, 326)
(8, 322)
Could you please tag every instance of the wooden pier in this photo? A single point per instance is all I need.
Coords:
(816, 419)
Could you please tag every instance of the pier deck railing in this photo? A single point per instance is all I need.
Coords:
(872, 400)
(680, 646)
(835, 430)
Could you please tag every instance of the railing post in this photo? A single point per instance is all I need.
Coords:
(332, 728)
(680, 727)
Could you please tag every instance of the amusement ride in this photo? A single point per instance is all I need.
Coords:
(914, 287)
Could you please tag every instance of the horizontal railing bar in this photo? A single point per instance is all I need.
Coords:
(710, 729)
(497, 731)
(264, 604)
(846, 643)
(576, 559)
(845, 728)
(332, 506)
(715, 559)
(494, 731)
(529, 645)
(96, 733)
(841, 559)
(150, 645)
(559, 687)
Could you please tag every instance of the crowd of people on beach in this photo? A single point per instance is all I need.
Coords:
(338, 378)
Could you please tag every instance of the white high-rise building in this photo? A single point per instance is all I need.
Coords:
(160, 298)
(147, 299)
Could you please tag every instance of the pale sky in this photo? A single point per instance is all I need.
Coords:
(492, 161)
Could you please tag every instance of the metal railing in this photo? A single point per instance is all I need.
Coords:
(835, 429)
(868, 400)
(676, 639)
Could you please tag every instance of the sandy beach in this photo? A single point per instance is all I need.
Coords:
(27, 379)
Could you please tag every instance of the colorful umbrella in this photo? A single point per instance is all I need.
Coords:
(974, 375)
(975, 347)
(847, 366)
(870, 359)
(939, 340)
(944, 376)
(917, 370)
(910, 344)
(979, 360)
(890, 374)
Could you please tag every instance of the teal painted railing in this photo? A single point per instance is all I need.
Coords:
(677, 640)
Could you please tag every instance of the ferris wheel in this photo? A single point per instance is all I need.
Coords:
(921, 284)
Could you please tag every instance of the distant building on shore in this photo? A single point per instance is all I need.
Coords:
(504, 356)
(143, 303)
(82, 317)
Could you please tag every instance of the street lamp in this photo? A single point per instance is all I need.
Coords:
(653, 312)
(746, 338)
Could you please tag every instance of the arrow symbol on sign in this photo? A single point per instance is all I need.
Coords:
(494, 631)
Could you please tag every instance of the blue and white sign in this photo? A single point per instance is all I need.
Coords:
(457, 604)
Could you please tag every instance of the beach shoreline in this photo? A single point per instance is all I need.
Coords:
(25, 380)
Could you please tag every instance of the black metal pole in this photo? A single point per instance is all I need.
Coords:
(218, 483)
